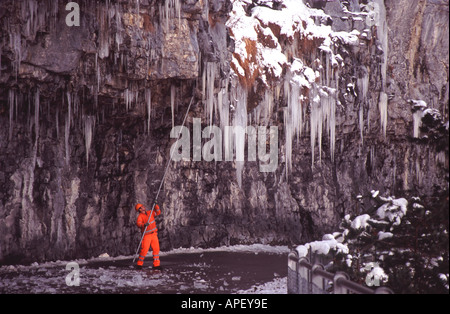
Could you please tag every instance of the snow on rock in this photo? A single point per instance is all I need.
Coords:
(258, 36)
(271, 42)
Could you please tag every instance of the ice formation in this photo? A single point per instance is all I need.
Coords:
(168, 12)
(418, 107)
(148, 102)
(297, 38)
(89, 125)
(287, 55)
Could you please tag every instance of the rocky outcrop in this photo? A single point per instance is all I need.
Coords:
(87, 112)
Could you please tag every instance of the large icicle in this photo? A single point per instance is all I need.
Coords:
(89, 125)
(66, 138)
(170, 10)
(36, 113)
(240, 125)
(293, 117)
(417, 123)
(383, 38)
(382, 105)
(363, 88)
(148, 101)
(223, 108)
(103, 45)
(16, 44)
(418, 107)
(209, 79)
(11, 104)
(315, 124)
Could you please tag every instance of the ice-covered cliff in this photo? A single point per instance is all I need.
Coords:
(357, 91)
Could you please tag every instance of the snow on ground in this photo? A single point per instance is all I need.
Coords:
(217, 270)
(277, 286)
(252, 248)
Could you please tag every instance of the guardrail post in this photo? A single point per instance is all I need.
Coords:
(304, 279)
(339, 288)
(293, 279)
(317, 281)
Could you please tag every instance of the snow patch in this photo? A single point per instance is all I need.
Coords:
(324, 246)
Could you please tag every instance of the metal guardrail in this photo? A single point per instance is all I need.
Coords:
(304, 278)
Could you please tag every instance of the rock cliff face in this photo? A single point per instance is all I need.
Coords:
(357, 91)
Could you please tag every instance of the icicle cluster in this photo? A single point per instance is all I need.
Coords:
(170, 10)
(307, 86)
(291, 53)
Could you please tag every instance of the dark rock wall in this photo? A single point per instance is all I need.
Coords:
(86, 114)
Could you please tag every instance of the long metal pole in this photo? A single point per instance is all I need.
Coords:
(163, 178)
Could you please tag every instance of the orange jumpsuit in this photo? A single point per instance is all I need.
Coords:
(151, 236)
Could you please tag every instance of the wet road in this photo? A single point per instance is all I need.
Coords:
(186, 273)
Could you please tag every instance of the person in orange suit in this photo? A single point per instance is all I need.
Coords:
(148, 226)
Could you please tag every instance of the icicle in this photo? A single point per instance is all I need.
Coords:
(98, 72)
(66, 138)
(315, 123)
(382, 34)
(268, 108)
(382, 37)
(170, 10)
(296, 111)
(240, 125)
(119, 30)
(204, 85)
(16, 45)
(293, 116)
(11, 105)
(127, 99)
(316, 120)
(361, 122)
(382, 105)
(57, 122)
(89, 125)
(210, 78)
(363, 88)
(332, 124)
(417, 122)
(148, 100)
(69, 106)
(36, 113)
(103, 48)
(223, 105)
(136, 96)
(288, 135)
